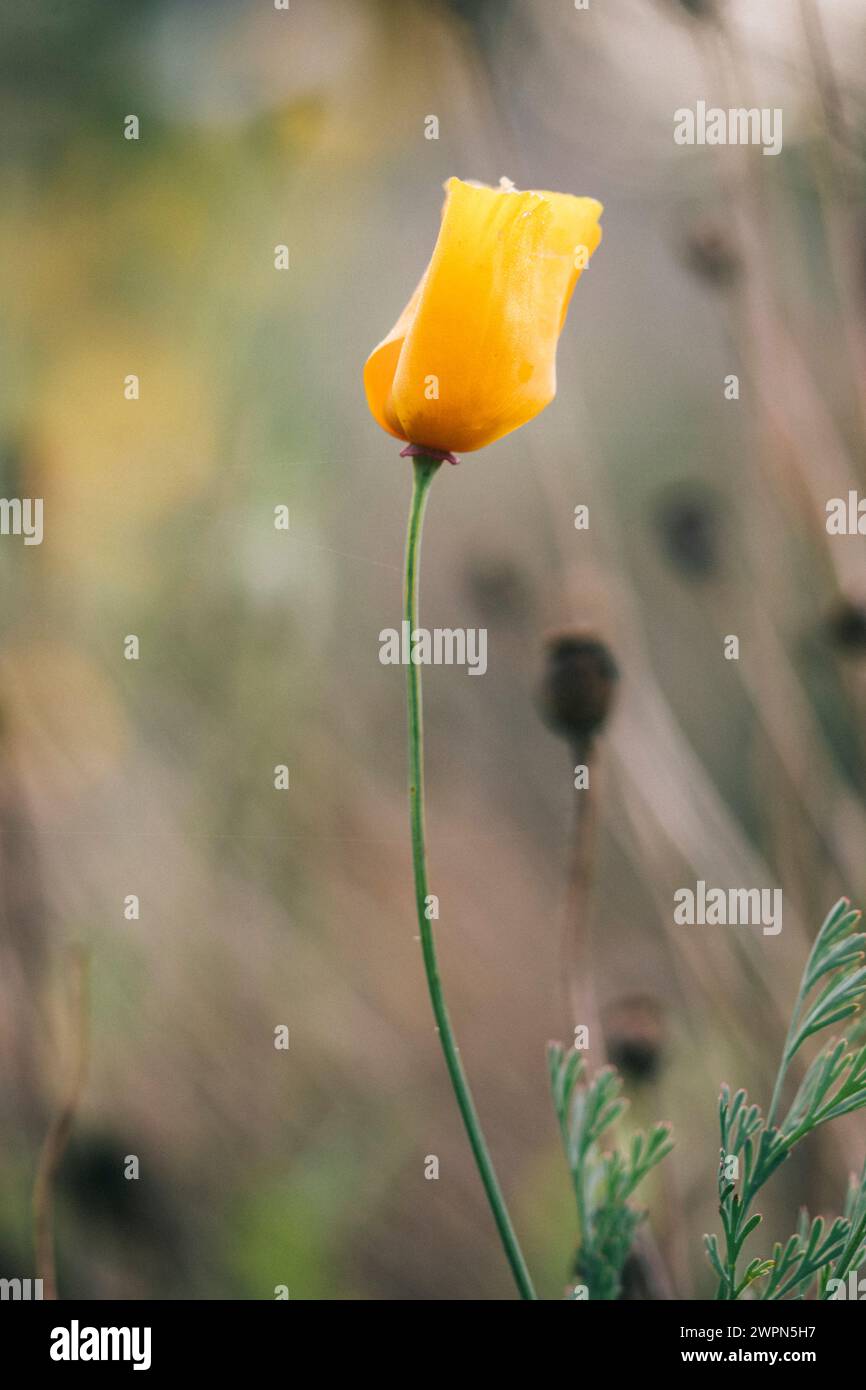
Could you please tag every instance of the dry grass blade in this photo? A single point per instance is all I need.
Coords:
(60, 1129)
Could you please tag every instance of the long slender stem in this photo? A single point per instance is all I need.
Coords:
(578, 965)
(424, 471)
(786, 1051)
(777, 1091)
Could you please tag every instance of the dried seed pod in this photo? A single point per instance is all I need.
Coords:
(499, 588)
(578, 686)
(846, 626)
(710, 252)
(688, 521)
(635, 1037)
(698, 9)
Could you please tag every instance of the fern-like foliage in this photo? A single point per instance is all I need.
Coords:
(753, 1147)
(603, 1178)
(853, 1253)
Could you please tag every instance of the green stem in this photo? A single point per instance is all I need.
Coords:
(777, 1090)
(750, 1190)
(424, 470)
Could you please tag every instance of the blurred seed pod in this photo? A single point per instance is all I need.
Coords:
(710, 252)
(697, 9)
(635, 1037)
(498, 588)
(846, 626)
(578, 685)
(92, 1178)
(644, 1277)
(479, 12)
(688, 518)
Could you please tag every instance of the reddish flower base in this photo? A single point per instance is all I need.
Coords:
(442, 455)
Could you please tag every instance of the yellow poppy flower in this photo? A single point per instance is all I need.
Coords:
(473, 355)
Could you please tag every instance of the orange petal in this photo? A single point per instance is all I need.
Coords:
(473, 355)
(381, 365)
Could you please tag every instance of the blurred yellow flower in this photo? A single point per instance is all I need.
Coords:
(109, 466)
(473, 355)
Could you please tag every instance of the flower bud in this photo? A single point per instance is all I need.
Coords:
(473, 355)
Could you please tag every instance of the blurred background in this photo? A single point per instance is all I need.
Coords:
(155, 777)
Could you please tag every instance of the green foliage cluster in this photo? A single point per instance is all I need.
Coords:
(754, 1146)
(604, 1179)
